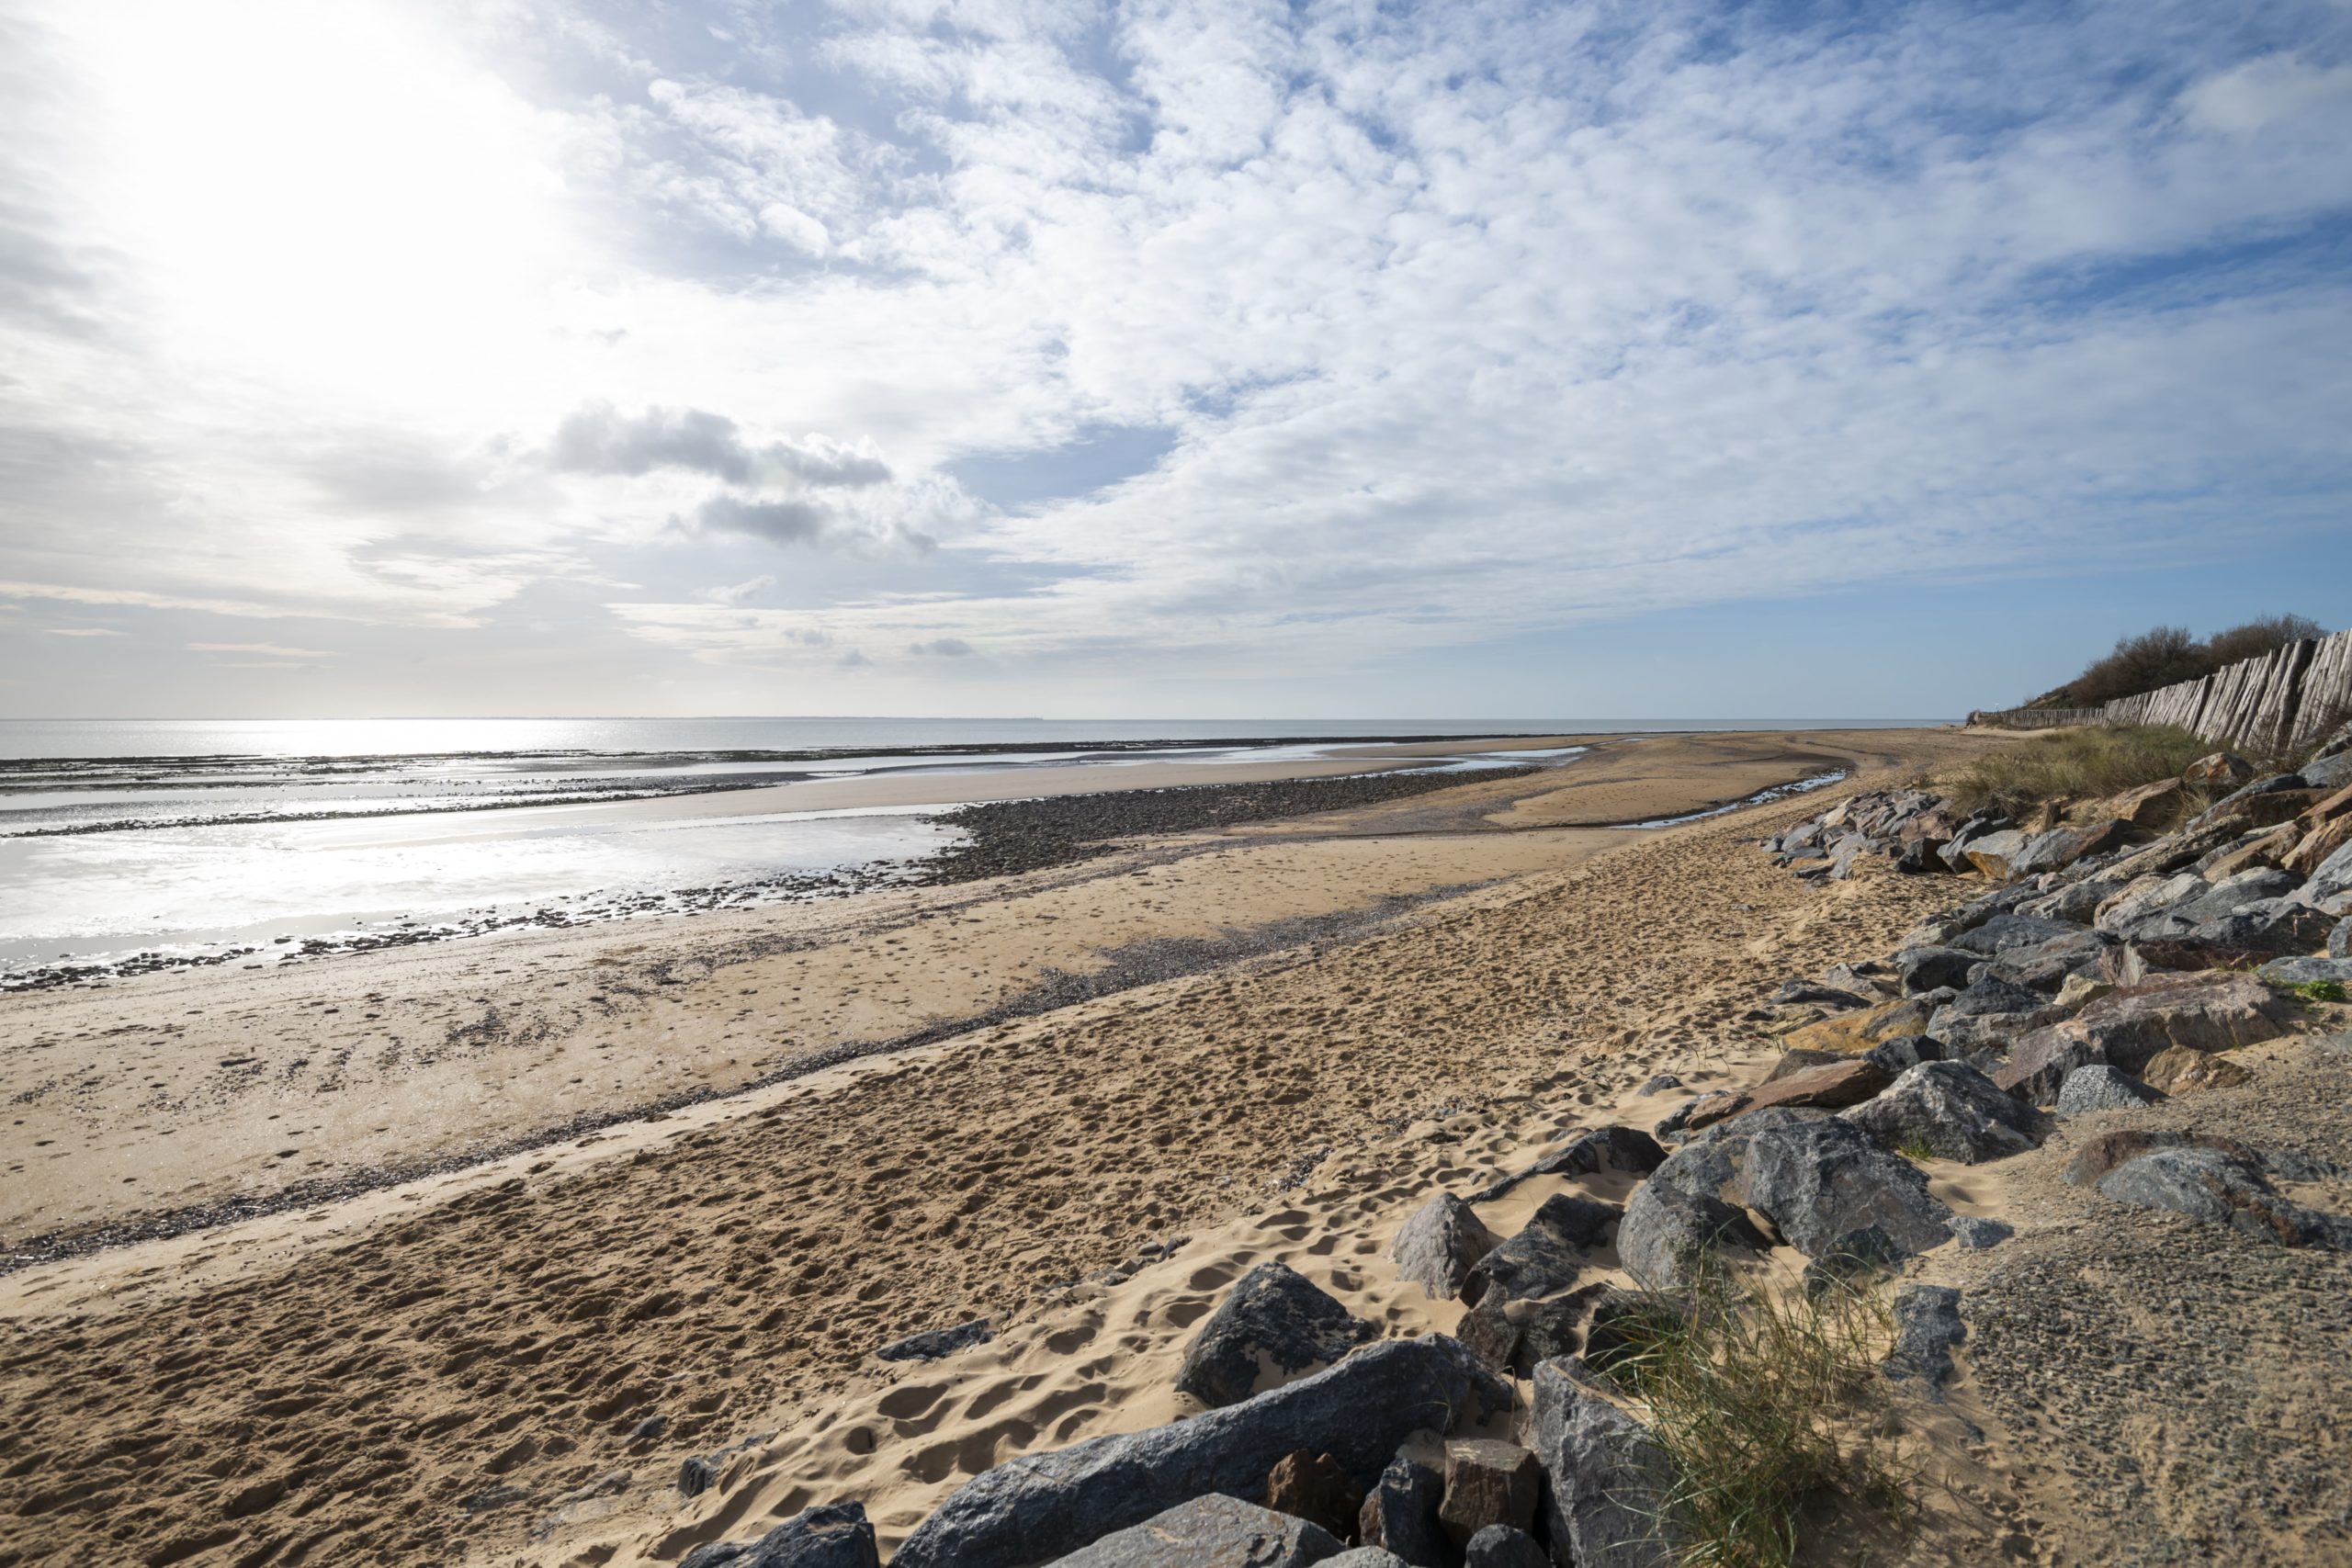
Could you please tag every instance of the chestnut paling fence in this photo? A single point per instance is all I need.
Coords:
(2280, 701)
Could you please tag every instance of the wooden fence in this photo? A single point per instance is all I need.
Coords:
(2281, 702)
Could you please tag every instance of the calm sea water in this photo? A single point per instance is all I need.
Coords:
(158, 841)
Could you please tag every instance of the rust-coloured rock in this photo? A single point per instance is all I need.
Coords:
(1832, 1087)
(2271, 848)
(2180, 1070)
(1488, 1482)
(2151, 805)
(2210, 1010)
(2222, 770)
(1315, 1487)
(1851, 1033)
(2317, 845)
(2103, 1152)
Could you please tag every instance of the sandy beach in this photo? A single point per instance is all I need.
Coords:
(701, 1169)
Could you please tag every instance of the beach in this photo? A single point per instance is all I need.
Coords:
(701, 1169)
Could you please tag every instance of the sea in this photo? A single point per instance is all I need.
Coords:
(128, 845)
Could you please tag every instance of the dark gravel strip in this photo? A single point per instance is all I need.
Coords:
(1009, 837)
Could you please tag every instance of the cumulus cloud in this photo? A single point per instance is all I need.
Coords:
(941, 647)
(1448, 325)
(740, 592)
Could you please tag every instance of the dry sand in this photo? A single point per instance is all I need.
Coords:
(426, 1374)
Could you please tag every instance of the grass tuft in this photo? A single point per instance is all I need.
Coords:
(1771, 1407)
(2321, 990)
(2072, 764)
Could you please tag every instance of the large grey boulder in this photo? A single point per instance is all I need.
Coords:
(1040, 1506)
(2307, 972)
(1992, 1011)
(2273, 925)
(2003, 932)
(1500, 1546)
(1274, 1316)
(2339, 940)
(2074, 902)
(1610, 1480)
(1400, 1512)
(1546, 1255)
(1829, 1190)
(1822, 1182)
(1668, 1230)
(1954, 1110)
(1932, 968)
(2102, 1088)
(1367, 1557)
(1439, 1245)
(2223, 1187)
(2205, 1010)
(1208, 1531)
(835, 1535)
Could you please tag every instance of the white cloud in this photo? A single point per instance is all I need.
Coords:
(1465, 323)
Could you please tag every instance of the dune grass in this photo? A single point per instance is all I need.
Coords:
(2072, 764)
(1773, 1410)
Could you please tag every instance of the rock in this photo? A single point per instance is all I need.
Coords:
(1589, 1151)
(1605, 1505)
(1701, 1111)
(2165, 856)
(2180, 1070)
(1315, 1488)
(1850, 1033)
(1500, 1546)
(1360, 1412)
(2270, 849)
(2075, 902)
(1400, 1513)
(1792, 992)
(1626, 1323)
(1794, 1062)
(2335, 972)
(2339, 940)
(1511, 1334)
(1206, 1530)
(2206, 1012)
(1926, 968)
(1926, 1326)
(2315, 848)
(833, 1536)
(1367, 1557)
(2223, 1187)
(1667, 1230)
(938, 1342)
(1995, 853)
(1904, 1052)
(649, 1429)
(2079, 992)
(1273, 1315)
(2102, 1088)
(1545, 1256)
(2002, 932)
(2331, 876)
(2101, 1156)
(2223, 769)
(1488, 1482)
(1869, 978)
(696, 1475)
(1991, 1012)
(2150, 806)
(1819, 1179)
(1661, 1083)
(2039, 1063)
(1440, 1244)
(1841, 1082)
(1953, 1110)
(1975, 1233)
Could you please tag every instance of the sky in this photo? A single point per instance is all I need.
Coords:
(1182, 359)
